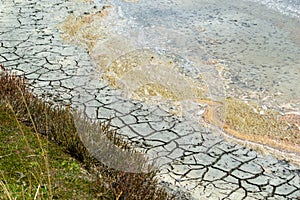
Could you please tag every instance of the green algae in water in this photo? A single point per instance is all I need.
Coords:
(85, 30)
(145, 73)
(134, 71)
(252, 121)
(154, 89)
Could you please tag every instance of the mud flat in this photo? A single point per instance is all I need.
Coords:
(195, 160)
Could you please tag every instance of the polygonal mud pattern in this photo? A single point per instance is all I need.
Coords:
(193, 159)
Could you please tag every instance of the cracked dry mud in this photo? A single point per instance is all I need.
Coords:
(194, 161)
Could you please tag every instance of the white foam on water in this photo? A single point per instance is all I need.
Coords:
(287, 7)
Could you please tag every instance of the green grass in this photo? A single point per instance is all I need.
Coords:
(43, 157)
(24, 171)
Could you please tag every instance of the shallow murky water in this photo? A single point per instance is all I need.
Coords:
(189, 53)
(256, 48)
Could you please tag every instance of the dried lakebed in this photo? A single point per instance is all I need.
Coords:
(194, 159)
